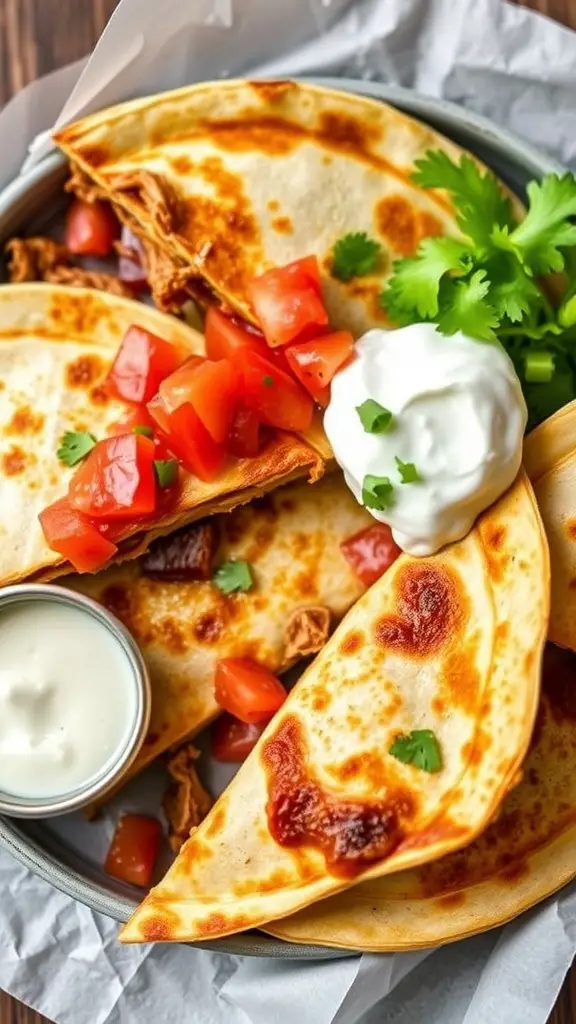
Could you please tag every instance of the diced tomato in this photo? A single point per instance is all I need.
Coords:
(91, 228)
(134, 417)
(74, 537)
(117, 479)
(186, 436)
(228, 337)
(244, 440)
(141, 364)
(371, 552)
(232, 740)
(275, 397)
(134, 849)
(247, 690)
(288, 302)
(211, 388)
(131, 268)
(315, 362)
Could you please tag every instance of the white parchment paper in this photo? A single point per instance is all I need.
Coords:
(517, 68)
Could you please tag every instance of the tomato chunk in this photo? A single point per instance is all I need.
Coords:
(275, 397)
(134, 849)
(186, 436)
(371, 552)
(228, 337)
(232, 740)
(247, 690)
(315, 362)
(136, 416)
(244, 440)
(211, 388)
(288, 302)
(141, 364)
(91, 228)
(117, 479)
(74, 537)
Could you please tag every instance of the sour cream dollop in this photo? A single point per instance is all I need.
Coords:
(458, 415)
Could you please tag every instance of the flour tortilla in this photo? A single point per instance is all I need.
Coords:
(449, 643)
(56, 345)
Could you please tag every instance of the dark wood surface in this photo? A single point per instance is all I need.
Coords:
(37, 36)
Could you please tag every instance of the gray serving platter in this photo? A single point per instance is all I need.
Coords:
(36, 197)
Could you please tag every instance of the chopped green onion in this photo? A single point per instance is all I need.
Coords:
(145, 431)
(166, 471)
(374, 417)
(408, 472)
(377, 492)
(539, 367)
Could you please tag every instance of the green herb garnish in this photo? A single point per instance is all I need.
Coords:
(420, 748)
(145, 431)
(355, 255)
(408, 472)
(374, 417)
(377, 492)
(539, 368)
(166, 471)
(268, 380)
(233, 576)
(75, 445)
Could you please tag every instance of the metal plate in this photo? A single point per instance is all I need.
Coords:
(35, 197)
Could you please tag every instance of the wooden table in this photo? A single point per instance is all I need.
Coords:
(37, 36)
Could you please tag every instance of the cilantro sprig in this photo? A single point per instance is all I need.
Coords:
(355, 255)
(234, 576)
(75, 445)
(419, 748)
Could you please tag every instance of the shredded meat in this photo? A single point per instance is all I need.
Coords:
(76, 277)
(81, 186)
(186, 802)
(30, 259)
(156, 196)
(307, 630)
(169, 283)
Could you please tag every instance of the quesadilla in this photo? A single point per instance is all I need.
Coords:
(184, 625)
(395, 748)
(229, 179)
(56, 346)
(525, 855)
(550, 461)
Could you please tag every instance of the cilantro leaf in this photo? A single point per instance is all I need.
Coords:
(465, 308)
(233, 576)
(145, 431)
(513, 294)
(408, 472)
(355, 255)
(166, 471)
(419, 748)
(374, 417)
(546, 228)
(268, 380)
(415, 284)
(377, 492)
(75, 446)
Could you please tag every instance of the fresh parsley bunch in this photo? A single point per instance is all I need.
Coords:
(486, 283)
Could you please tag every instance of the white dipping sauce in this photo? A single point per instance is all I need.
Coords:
(67, 698)
(458, 416)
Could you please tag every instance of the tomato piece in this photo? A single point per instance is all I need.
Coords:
(186, 436)
(134, 417)
(232, 740)
(91, 228)
(141, 364)
(211, 388)
(74, 537)
(247, 690)
(315, 362)
(275, 397)
(371, 552)
(131, 268)
(244, 440)
(133, 850)
(288, 302)
(228, 337)
(117, 479)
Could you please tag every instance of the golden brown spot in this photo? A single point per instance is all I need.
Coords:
(513, 872)
(214, 923)
(438, 705)
(99, 395)
(272, 90)
(369, 292)
(182, 164)
(273, 205)
(395, 220)
(157, 928)
(208, 627)
(433, 609)
(451, 901)
(172, 636)
(494, 536)
(14, 461)
(460, 676)
(352, 642)
(502, 632)
(348, 133)
(24, 421)
(327, 160)
(2, 385)
(84, 371)
(216, 823)
(321, 701)
(91, 153)
(306, 584)
(571, 527)
(283, 225)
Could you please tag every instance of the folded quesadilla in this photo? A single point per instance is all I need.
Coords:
(228, 179)
(56, 346)
(525, 855)
(550, 461)
(184, 624)
(396, 746)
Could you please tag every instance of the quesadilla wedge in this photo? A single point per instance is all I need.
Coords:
(302, 587)
(525, 855)
(56, 346)
(550, 461)
(396, 746)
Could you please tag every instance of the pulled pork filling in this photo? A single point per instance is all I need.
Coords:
(43, 259)
(307, 630)
(186, 802)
